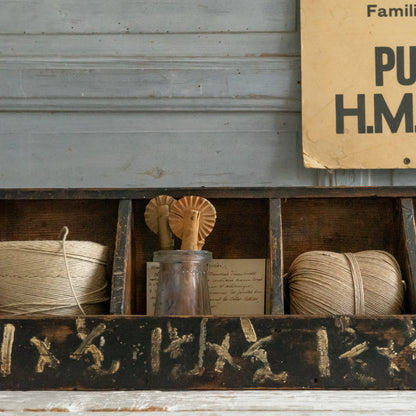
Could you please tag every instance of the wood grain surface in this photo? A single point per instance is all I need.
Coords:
(213, 403)
(148, 16)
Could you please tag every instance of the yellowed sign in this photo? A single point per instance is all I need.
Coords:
(358, 83)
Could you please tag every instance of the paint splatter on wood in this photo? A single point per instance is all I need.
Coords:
(156, 342)
(46, 358)
(87, 347)
(6, 350)
(324, 366)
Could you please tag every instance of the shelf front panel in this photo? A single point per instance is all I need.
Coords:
(273, 352)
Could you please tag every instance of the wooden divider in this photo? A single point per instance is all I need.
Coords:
(276, 298)
(408, 251)
(122, 293)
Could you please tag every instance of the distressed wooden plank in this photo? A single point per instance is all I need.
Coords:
(156, 45)
(408, 249)
(298, 193)
(146, 16)
(180, 403)
(162, 412)
(118, 353)
(276, 258)
(123, 281)
(293, 403)
(145, 160)
(229, 402)
(150, 83)
(130, 150)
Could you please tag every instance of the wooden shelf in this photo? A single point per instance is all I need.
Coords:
(127, 350)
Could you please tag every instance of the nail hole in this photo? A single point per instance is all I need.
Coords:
(406, 161)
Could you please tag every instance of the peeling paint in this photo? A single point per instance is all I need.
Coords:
(199, 367)
(355, 351)
(87, 347)
(248, 330)
(410, 328)
(259, 355)
(223, 354)
(175, 347)
(390, 354)
(46, 358)
(6, 350)
(156, 341)
(324, 366)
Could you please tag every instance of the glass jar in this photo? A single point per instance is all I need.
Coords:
(182, 286)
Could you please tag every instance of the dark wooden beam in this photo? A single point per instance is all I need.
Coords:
(258, 192)
(120, 352)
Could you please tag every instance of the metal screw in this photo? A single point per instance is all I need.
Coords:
(406, 161)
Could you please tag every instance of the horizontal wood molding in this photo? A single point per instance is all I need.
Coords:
(148, 104)
(262, 84)
(22, 124)
(145, 16)
(151, 45)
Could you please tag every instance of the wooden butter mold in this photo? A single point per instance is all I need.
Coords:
(127, 350)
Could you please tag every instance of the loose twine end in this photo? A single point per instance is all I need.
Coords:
(62, 236)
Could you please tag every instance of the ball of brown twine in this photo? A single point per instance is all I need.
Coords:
(327, 283)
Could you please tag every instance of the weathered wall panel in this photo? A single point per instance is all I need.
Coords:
(64, 62)
(151, 149)
(147, 16)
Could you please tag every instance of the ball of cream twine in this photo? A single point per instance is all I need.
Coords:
(53, 277)
(327, 283)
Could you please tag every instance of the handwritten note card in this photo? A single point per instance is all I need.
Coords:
(236, 286)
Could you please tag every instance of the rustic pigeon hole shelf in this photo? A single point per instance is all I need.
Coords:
(127, 350)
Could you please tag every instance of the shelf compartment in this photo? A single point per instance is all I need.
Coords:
(87, 220)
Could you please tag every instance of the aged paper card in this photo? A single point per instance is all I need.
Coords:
(358, 83)
(236, 286)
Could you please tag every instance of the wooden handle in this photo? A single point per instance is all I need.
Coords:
(190, 229)
(201, 244)
(165, 235)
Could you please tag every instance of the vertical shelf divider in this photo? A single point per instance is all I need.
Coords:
(122, 281)
(408, 250)
(274, 285)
